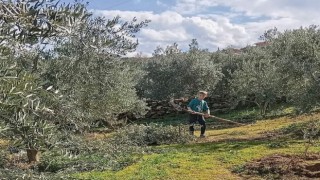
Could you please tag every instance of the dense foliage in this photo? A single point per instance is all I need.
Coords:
(60, 71)
(284, 67)
(179, 74)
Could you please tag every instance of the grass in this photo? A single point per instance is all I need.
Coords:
(204, 161)
(258, 129)
(214, 157)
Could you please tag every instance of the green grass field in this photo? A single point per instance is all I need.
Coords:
(216, 157)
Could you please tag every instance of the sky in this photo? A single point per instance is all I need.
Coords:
(214, 23)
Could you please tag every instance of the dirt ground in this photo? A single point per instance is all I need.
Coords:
(285, 167)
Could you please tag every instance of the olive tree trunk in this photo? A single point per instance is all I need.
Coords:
(33, 155)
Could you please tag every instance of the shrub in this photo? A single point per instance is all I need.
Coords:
(308, 131)
(311, 135)
(77, 155)
(296, 130)
(152, 134)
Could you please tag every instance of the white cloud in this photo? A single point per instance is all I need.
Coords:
(169, 27)
(177, 34)
(191, 19)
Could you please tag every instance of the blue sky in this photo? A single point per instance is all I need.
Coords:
(214, 23)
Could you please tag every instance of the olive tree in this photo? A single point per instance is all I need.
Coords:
(89, 70)
(297, 53)
(258, 79)
(27, 108)
(180, 74)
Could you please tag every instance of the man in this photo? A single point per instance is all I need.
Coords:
(201, 106)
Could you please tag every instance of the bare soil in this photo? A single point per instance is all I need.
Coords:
(285, 166)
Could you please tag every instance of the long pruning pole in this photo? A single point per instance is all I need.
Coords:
(220, 119)
(179, 108)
